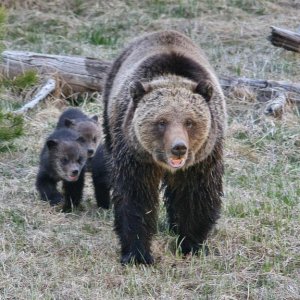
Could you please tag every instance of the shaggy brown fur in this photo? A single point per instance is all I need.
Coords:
(164, 119)
(62, 159)
(89, 130)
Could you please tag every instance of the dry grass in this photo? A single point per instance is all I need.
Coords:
(255, 249)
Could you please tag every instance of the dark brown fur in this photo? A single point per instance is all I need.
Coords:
(62, 159)
(164, 119)
(88, 129)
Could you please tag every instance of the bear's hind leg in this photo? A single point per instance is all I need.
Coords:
(101, 187)
(101, 177)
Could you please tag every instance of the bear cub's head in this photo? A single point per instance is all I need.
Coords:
(89, 131)
(171, 120)
(67, 158)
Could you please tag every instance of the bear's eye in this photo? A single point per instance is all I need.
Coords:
(81, 140)
(64, 160)
(189, 123)
(95, 140)
(80, 159)
(162, 124)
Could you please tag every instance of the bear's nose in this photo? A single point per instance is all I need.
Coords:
(90, 152)
(75, 172)
(179, 148)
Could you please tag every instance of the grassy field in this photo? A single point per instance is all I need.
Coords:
(254, 250)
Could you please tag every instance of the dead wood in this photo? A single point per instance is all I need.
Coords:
(43, 92)
(276, 106)
(80, 74)
(76, 74)
(284, 38)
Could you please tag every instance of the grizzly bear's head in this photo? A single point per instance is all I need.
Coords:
(171, 119)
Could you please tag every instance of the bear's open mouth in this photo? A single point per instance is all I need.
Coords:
(177, 162)
(73, 177)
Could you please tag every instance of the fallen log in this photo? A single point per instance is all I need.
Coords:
(228, 82)
(80, 74)
(83, 74)
(43, 92)
(284, 38)
(75, 74)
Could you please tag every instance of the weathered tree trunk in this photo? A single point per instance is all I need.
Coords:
(79, 74)
(228, 82)
(286, 39)
(76, 74)
(83, 74)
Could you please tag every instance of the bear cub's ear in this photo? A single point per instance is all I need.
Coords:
(205, 89)
(69, 123)
(137, 90)
(95, 119)
(52, 144)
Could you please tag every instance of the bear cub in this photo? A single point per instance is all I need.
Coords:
(62, 158)
(89, 130)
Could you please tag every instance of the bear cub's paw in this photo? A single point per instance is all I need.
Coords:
(56, 199)
(137, 258)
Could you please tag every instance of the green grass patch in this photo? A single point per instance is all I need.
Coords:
(3, 18)
(175, 9)
(251, 6)
(11, 126)
(28, 79)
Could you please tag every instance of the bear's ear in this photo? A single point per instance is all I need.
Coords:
(95, 118)
(205, 89)
(69, 123)
(137, 91)
(52, 144)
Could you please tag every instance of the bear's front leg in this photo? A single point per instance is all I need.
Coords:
(73, 192)
(46, 186)
(135, 198)
(193, 202)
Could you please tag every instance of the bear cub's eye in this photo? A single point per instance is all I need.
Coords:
(162, 124)
(189, 123)
(95, 140)
(64, 160)
(80, 159)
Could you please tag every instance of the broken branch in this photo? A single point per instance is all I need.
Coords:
(80, 74)
(44, 91)
(284, 38)
(276, 106)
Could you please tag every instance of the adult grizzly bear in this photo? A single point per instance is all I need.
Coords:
(164, 119)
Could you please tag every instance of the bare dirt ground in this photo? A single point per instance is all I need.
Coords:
(254, 250)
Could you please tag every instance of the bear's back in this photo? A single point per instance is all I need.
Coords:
(155, 49)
